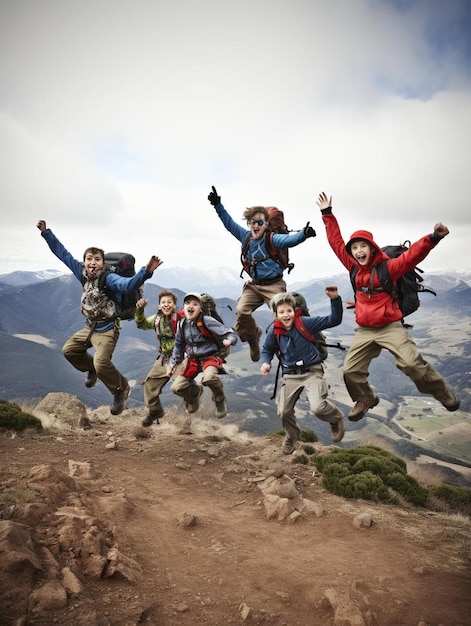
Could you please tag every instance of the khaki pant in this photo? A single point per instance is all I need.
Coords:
(367, 345)
(251, 298)
(156, 380)
(186, 388)
(76, 348)
(316, 388)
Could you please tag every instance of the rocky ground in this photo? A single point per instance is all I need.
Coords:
(198, 523)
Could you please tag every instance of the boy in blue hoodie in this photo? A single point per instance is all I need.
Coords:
(102, 323)
(301, 364)
(266, 275)
(199, 340)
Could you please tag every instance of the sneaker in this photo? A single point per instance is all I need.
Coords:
(91, 378)
(194, 405)
(360, 408)
(255, 346)
(289, 444)
(337, 430)
(152, 417)
(449, 401)
(119, 401)
(221, 408)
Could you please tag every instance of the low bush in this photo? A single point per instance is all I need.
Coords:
(370, 473)
(13, 418)
(458, 499)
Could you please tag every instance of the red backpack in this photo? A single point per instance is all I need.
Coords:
(276, 225)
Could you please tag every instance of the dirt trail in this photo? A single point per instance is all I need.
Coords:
(187, 507)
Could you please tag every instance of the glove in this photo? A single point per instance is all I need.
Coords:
(307, 230)
(213, 197)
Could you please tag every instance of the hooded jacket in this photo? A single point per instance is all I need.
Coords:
(376, 309)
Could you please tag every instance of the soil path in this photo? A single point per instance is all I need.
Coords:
(188, 509)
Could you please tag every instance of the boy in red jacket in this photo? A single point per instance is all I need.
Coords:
(379, 317)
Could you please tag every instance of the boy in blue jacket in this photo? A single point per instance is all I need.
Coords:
(266, 275)
(301, 364)
(199, 340)
(102, 325)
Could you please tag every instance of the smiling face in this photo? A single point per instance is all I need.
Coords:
(93, 262)
(192, 309)
(285, 314)
(167, 305)
(257, 225)
(362, 252)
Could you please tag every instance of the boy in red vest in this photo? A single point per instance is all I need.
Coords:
(301, 364)
(378, 315)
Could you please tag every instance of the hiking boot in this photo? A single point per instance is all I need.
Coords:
(91, 378)
(361, 407)
(337, 430)
(194, 404)
(449, 401)
(221, 408)
(289, 444)
(254, 345)
(119, 401)
(153, 416)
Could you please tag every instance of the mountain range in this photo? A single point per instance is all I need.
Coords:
(40, 310)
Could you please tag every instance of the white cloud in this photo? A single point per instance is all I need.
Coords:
(116, 118)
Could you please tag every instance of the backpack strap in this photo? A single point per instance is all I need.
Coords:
(274, 252)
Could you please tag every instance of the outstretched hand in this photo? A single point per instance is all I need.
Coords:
(41, 225)
(213, 197)
(153, 264)
(440, 230)
(309, 231)
(323, 202)
(332, 291)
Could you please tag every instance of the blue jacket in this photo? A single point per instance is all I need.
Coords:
(190, 341)
(117, 284)
(267, 268)
(295, 350)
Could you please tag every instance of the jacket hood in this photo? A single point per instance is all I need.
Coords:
(363, 235)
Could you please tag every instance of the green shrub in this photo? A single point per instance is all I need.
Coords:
(370, 473)
(13, 418)
(457, 498)
(308, 449)
(308, 435)
(301, 458)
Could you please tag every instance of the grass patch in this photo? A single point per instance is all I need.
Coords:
(12, 417)
(370, 473)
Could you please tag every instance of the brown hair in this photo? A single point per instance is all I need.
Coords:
(253, 210)
(94, 251)
(168, 293)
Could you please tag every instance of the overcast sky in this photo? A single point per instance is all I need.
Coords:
(116, 117)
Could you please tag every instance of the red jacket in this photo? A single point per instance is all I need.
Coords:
(374, 310)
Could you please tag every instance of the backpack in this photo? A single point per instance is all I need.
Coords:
(122, 263)
(409, 285)
(209, 308)
(276, 224)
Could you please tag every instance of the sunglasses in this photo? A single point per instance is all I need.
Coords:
(256, 222)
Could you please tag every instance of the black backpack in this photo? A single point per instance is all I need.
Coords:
(409, 285)
(123, 264)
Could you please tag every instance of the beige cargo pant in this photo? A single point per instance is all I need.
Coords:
(367, 345)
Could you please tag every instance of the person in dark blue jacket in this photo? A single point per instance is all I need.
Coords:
(301, 365)
(102, 325)
(266, 275)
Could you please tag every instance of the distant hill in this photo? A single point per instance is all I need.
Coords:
(40, 313)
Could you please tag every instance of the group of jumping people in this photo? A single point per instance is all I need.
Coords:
(192, 343)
